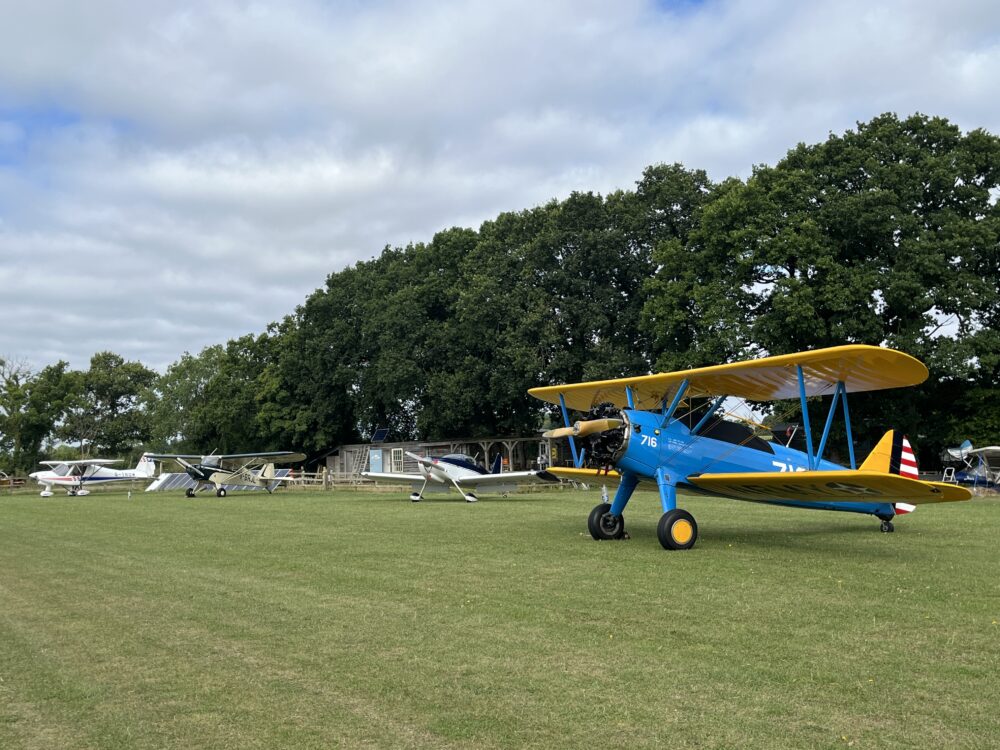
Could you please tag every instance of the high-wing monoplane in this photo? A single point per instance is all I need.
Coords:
(464, 474)
(981, 465)
(666, 429)
(242, 470)
(77, 475)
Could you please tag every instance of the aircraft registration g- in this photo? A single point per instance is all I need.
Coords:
(636, 426)
(463, 473)
(76, 476)
(242, 470)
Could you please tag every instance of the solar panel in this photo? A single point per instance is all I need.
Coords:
(380, 435)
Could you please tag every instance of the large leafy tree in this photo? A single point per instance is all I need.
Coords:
(108, 415)
(884, 235)
(31, 407)
(178, 401)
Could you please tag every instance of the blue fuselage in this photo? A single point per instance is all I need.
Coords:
(670, 453)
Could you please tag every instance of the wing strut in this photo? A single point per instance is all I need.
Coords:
(577, 458)
(805, 418)
(668, 413)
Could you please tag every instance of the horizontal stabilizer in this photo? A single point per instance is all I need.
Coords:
(829, 486)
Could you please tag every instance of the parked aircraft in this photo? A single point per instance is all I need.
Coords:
(464, 474)
(240, 469)
(981, 465)
(637, 426)
(75, 476)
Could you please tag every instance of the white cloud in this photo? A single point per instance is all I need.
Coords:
(173, 175)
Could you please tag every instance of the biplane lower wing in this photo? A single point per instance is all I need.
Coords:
(829, 486)
(584, 475)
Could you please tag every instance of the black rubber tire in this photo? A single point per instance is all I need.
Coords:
(603, 526)
(673, 536)
(221, 492)
(189, 492)
(887, 527)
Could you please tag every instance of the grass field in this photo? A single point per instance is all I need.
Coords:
(361, 620)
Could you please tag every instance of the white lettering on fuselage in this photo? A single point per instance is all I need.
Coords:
(783, 467)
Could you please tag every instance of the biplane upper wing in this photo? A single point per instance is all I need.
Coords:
(859, 367)
(829, 486)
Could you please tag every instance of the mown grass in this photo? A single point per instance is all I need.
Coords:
(362, 620)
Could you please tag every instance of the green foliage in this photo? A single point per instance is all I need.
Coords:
(105, 415)
(31, 407)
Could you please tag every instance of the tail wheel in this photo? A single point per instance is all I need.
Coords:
(677, 530)
(604, 526)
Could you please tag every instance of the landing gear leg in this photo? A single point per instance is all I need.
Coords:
(469, 497)
(417, 496)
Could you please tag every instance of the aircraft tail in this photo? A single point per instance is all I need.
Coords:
(497, 464)
(267, 471)
(894, 455)
(146, 466)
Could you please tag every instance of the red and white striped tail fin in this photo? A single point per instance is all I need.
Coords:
(892, 455)
(907, 461)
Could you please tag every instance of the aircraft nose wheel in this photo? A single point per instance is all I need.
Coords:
(677, 530)
(221, 492)
(604, 526)
(887, 527)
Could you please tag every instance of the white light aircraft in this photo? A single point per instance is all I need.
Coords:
(76, 476)
(464, 474)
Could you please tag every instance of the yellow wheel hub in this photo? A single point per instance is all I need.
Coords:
(681, 531)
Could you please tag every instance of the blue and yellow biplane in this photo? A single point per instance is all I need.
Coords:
(646, 429)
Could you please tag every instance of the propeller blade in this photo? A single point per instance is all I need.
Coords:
(584, 428)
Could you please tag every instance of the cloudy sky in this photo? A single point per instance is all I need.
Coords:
(175, 174)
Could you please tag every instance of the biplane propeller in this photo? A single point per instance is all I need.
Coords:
(635, 427)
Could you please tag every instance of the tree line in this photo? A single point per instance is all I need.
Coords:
(888, 234)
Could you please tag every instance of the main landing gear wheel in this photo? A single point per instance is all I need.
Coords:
(221, 492)
(470, 498)
(677, 530)
(189, 492)
(887, 527)
(416, 497)
(603, 526)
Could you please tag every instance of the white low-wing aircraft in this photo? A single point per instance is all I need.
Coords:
(464, 474)
(246, 470)
(76, 476)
